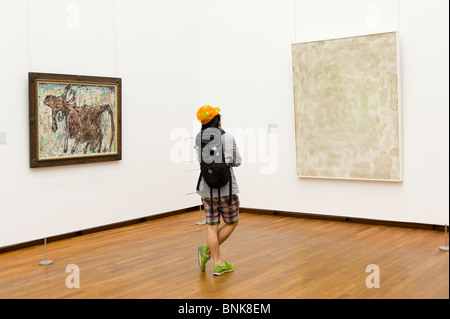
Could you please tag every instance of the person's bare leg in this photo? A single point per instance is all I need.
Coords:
(212, 240)
(223, 233)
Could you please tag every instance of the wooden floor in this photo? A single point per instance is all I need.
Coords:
(274, 257)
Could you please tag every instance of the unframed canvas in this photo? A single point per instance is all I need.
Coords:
(347, 108)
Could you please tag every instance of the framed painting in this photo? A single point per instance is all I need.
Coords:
(347, 108)
(74, 119)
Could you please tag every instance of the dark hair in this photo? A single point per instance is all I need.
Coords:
(213, 123)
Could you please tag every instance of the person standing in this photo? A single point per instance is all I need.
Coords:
(222, 201)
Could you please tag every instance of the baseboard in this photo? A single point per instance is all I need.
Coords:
(95, 229)
(343, 219)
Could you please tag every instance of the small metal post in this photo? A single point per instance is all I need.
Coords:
(201, 222)
(445, 248)
(45, 262)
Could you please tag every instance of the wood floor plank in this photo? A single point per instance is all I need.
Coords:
(275, 257)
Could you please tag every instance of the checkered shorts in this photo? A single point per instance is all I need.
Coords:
(220, 206)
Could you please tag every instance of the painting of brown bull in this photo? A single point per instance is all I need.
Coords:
(82, 123)
(74, 119)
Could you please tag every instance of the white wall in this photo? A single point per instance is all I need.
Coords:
(174, 56)
(246, 69)
(153, 47)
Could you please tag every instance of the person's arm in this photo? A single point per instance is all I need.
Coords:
(197, 144)
(232, 155)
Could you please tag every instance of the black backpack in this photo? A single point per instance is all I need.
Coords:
(213, 168)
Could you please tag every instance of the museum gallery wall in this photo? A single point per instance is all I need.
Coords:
(347, 110)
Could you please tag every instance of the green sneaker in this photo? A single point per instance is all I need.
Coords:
(203, 257)
(220, 270)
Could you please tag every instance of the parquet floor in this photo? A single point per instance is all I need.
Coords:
(274, 256)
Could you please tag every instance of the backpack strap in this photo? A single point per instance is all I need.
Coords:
(199, 180)
(201, 157)
(231, 186)
(230, 182)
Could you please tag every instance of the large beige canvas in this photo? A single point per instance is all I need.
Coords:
(347, 108)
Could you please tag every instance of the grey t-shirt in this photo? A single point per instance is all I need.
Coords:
(232, 157)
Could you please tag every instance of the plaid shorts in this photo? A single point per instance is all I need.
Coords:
(220, 206)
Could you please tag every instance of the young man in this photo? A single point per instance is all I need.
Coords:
(217, 201)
